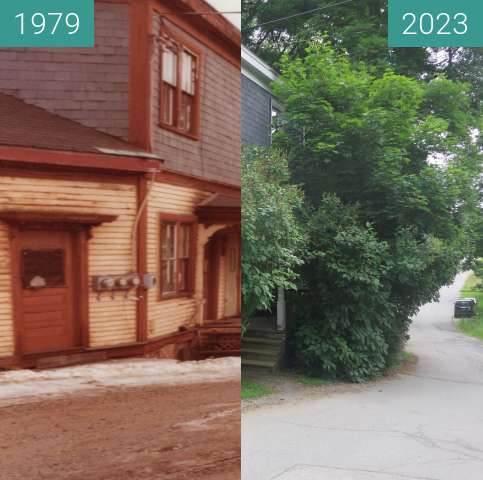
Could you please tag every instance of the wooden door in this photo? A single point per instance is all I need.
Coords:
(211, 269)
(46, 285)
(232, 275)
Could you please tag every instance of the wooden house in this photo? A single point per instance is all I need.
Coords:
(120, 190)
(263, 344)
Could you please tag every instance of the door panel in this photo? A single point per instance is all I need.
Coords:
(46, 291)
(211, 280)
(232, 276)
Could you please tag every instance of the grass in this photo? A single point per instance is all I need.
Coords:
(473, 326)
(251, 389)
(401, 364)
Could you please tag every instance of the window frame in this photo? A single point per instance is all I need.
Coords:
(178, 220)
(182, 45)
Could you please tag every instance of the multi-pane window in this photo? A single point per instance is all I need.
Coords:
(170, 81)
(176, 257)
(179, 87)
(188, 91)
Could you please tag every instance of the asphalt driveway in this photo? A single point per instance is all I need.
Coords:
(427, 424)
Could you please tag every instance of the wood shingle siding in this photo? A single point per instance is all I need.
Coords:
(90, 86)
(216, 155)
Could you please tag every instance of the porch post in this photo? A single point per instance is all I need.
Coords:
(281, 310)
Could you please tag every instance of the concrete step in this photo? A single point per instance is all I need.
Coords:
(267, 350)
(261, 353)
(258, 363)
(262, 340)
(256, 332)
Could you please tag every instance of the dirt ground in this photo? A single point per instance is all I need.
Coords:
(288, 388)
(138, 433)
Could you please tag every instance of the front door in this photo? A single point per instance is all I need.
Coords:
(46, 287)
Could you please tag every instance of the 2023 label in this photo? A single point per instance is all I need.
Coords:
(435, 23)
(49, 23)
(443, 23)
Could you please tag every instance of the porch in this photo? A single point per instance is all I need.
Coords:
(220, 338)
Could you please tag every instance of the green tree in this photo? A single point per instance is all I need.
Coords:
(272, 237)
(405, 155)
(358, 29)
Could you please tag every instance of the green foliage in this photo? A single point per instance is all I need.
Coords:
(343, 312)
(388, 227)
(358, 28)
(272, 237)
(473, 288)
(396, 226)
(478, 270)
(251, 389)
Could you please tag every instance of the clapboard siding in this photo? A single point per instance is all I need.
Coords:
(222, 287)
(6, 324)
(112, 322)
(166, 316)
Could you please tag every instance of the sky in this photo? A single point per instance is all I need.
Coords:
(229, 6)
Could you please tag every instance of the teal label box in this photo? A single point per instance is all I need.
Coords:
(435, 23)
(47, 23)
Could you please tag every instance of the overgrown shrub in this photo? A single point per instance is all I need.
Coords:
(343, 312)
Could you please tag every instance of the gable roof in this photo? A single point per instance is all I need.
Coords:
(254, 68)
(25, 125)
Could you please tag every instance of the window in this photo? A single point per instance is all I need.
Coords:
(179, 98)
(42, 268)
(275, 120)
(177, 252)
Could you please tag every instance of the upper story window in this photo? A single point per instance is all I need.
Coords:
(275, 114)
(180, 87)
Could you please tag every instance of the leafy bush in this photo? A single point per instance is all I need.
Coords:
(343, 313)
(272, 237)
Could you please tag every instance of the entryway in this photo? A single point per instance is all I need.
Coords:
(47, 288)
(221, 276)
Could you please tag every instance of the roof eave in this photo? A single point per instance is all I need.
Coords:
(24, 155)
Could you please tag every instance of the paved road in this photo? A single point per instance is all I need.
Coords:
(427, 425)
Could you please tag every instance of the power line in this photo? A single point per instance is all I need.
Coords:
(298, 14)
(200, 13)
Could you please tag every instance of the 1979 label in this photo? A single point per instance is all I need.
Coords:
(47, 23)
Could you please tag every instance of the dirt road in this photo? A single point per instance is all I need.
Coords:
(139, 433)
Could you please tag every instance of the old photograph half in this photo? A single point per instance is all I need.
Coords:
(362, 234)
(120, 248)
